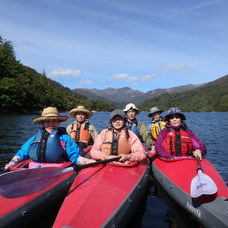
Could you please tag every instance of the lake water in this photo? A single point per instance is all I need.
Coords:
(157, 210)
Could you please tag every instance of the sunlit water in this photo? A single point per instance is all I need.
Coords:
(156, 211)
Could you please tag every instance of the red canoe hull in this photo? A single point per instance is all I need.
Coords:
(21, 211)
(104, 196)
(175, 177)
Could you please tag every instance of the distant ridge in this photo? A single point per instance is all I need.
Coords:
(211, 97)
(126, 94)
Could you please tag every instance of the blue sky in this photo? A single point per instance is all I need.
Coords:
(143, 44)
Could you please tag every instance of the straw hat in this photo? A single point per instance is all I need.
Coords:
(74, 111)
(49, 113)
(131, 106)
(153, 110)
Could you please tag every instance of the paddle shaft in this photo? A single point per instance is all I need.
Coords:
(199, 166)
(79, 167)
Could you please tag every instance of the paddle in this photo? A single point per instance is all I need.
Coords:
(19, 183)
(202, 184)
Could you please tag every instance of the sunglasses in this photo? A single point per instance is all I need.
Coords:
(175, 116)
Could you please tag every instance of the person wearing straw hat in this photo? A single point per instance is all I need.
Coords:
(51, 143)
(176, 139)
(117, 140)
(81, 131)
(137, 127)
(157, 122)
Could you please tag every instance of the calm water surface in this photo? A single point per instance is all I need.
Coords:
(158, 210)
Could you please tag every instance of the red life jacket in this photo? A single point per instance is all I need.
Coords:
(178, 142)
(116, 144)
(80, 132)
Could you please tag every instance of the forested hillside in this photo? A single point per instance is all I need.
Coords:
(23, 90)
(211, 97)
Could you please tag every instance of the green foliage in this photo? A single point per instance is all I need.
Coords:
(211, 97)
(23, 90)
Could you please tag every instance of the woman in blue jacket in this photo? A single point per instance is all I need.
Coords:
(51, 143)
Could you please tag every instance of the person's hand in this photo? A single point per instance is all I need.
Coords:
(89, 161)
(197, 153)
(124, 158)
(83, 160)
(153, 149)
(9, 165)
(12, 163)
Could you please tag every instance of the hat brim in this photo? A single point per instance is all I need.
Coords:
(136, 110)
(150, 114)
(40, 120)
(73, 112)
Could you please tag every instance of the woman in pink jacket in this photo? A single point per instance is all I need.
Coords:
(117, 140)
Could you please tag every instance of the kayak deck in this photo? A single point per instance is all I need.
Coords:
(102, 196)
(19, 210)
(175, 178)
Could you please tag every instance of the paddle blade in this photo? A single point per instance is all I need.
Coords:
(202, 184)
(28, 181)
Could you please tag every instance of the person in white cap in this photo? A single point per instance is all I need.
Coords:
(51, 143)
(137, 127)
(117, 140)
(82, 132)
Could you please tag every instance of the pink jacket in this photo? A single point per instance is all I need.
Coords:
(137, 149)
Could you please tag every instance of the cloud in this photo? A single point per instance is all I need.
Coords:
(171, 67)
(86, 82)
(130, 78)
(64, 72)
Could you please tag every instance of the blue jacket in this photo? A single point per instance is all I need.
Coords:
(69, 146)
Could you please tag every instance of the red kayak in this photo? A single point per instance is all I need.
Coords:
(104, 196)
(27, 193)
(180, 180)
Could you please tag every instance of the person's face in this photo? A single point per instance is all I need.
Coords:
(117, 122)
(50, 125)
(175, 120)
(80, 117)
(156, 116)
(131, 114)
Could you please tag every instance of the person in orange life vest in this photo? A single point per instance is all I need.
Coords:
(117, 140)
(176, 139)
(81, 130)
(51, 143)
(137, 127)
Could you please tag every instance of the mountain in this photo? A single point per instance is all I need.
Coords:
(212, 96)
(122, 95)
(89, 94)
(159, 92)
(125, 95)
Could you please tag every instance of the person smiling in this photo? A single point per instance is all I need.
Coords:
(51, 143)
(117, 140)
(80, 130)
(176, 139)
(136, 126)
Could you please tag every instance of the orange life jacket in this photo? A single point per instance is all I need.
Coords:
(178, 142)
(116, 144)
(80, 132)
